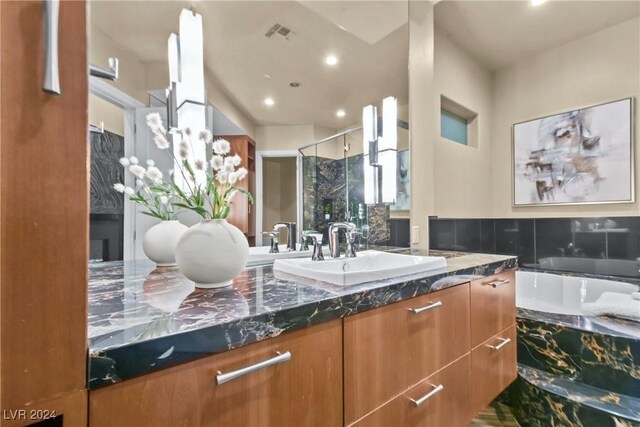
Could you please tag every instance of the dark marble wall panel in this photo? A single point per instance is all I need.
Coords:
(487, 236)
(400, 233)
(106, 149)
(379, 227)
(442, 234)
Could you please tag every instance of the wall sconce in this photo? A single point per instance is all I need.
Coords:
(380, 165)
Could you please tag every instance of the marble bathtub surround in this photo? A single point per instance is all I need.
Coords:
(136, 326)
(591, 355)
(540, 399)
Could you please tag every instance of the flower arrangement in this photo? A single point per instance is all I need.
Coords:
(151, 190)
(210, 187)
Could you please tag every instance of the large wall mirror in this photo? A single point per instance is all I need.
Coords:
(284, 82)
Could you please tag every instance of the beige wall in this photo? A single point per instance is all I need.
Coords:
(462, 173)
(601, 67)
(272, 138)
(422, 117)
(111, 116)
(279, 189)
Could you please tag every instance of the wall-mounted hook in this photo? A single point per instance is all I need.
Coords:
(97, 129)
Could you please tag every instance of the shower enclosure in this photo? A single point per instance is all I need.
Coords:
(333, 187)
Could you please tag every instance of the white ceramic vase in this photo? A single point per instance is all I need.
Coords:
(212, 253)
(159, 242)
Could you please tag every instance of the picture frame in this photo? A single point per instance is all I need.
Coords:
(582, 156)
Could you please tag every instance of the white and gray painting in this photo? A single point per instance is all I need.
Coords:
(582, 156)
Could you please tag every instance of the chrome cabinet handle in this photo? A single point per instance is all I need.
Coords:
(110, 73)
(51, 65)
(498, 283)
(504, 342)
(431, 306)
(280, 358)
(436, 389)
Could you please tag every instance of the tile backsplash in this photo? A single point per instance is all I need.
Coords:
(541, 242)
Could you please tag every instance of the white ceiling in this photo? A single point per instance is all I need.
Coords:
(370, 39)
(497, 33)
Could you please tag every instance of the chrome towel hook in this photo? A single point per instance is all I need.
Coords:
(110, 73)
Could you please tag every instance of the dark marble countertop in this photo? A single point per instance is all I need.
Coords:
(142, 319)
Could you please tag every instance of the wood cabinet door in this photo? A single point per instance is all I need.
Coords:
(304, 391)
(494, 367)
(389, 349)
(493, 306)
(444, 399)
(44, 211)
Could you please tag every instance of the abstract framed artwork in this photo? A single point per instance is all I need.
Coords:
(584, 156)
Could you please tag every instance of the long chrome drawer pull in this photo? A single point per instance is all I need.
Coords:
(504, 342)
(431, 306)
(281, 357)
(436, 389)
(51, 67)
(498, 283)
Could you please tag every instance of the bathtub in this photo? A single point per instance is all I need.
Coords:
(610, 267)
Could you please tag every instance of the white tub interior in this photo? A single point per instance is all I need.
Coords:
(553, 293)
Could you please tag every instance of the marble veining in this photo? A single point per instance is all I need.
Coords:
(142, 319)
(538, 398)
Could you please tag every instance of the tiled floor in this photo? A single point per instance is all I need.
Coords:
(495, 415)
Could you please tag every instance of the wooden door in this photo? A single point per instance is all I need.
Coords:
(44, 215)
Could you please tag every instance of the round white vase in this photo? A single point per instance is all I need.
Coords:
(159, 242)
(212, 253)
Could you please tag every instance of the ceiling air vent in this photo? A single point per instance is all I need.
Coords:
(279, 30)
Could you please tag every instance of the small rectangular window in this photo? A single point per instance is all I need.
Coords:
(453, 127)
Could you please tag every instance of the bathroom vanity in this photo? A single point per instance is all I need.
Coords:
(428, 349)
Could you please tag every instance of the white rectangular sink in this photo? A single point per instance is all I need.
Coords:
(368, 266)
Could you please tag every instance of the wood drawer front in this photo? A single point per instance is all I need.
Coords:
(304, 391)
(493, 306)
(493, 370)
(389, 349)
(449, 407)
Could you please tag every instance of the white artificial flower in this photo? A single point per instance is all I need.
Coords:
(150, 162)
(137, 170)
(222, 177)
(187, 131)
(217, 162)
(154, 121)
(199, 164)
(233, 177)
(154, 174)
(133, 160)
(184, 153)
(221, 146)
(242, 174)
(130, 191)
(161, 142)
(124, 161)
(229, 164)
(205, 136)
(118, 187)
(237, 160)
(164, 200)
(139, 183)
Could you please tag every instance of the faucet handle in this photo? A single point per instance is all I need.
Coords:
(274, 241)
(306, 235)
(316, 238)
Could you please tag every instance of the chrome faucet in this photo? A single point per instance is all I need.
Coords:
(291, 233)
(274, 241)
(334, 234)
(316, 238)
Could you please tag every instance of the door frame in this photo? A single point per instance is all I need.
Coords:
(128, 104)
(259, 189)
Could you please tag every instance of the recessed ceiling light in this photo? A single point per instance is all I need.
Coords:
(294, 84)
(331, 60)
(537, 2)
(268, 101)
(267, 76)
(340, 113)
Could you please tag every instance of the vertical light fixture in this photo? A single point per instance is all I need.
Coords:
(380, 153)
(370, 150)
(186, 100)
